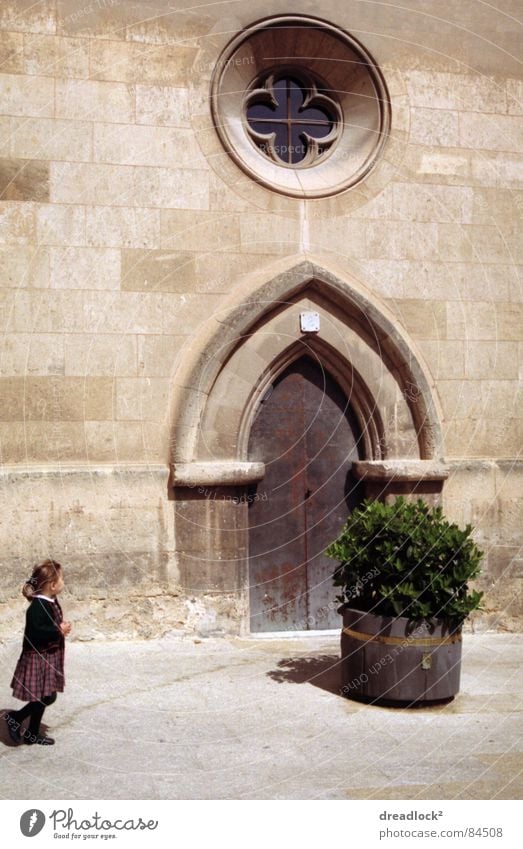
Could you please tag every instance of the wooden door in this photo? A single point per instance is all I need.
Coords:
(307, 436)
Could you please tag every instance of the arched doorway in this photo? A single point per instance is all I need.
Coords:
(308, 437)
(216, 391)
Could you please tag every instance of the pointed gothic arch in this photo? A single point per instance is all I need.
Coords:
(217, 384)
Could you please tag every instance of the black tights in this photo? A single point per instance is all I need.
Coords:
(35, 710)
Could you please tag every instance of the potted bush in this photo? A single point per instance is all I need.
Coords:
(403, 572)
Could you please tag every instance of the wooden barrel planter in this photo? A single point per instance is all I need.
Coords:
(391, 660)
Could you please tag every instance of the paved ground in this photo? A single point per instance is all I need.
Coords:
(258, 718)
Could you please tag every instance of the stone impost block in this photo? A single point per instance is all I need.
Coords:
(224, 473)
(400, 470)
(387, 479)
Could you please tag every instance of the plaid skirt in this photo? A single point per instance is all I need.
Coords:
(39, 674)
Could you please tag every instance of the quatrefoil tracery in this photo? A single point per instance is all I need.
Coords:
(291, 121)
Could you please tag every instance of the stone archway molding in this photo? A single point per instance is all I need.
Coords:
(200, 381)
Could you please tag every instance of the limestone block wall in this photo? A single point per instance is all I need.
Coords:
(124, 225)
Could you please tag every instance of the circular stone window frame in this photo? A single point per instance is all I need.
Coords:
(360, 146)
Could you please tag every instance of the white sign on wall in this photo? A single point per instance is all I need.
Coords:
(309, 322)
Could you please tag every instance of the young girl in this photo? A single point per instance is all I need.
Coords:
(39, 673)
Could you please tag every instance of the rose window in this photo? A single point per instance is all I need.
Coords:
(291, 120)
(300, 106)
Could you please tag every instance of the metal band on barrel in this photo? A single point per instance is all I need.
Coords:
(397, 641)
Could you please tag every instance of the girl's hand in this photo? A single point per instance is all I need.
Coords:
(65, 628)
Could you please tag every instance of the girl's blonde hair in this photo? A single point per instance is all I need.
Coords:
(45, 572)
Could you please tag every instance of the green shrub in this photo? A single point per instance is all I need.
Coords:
(405, 559)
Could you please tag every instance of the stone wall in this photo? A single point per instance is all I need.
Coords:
(124, 226)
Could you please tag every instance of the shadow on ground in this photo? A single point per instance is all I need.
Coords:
(323, 671)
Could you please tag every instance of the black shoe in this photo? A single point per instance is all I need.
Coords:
(13, 726)
(40, 739)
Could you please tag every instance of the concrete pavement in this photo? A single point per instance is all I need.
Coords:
(190, 718)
